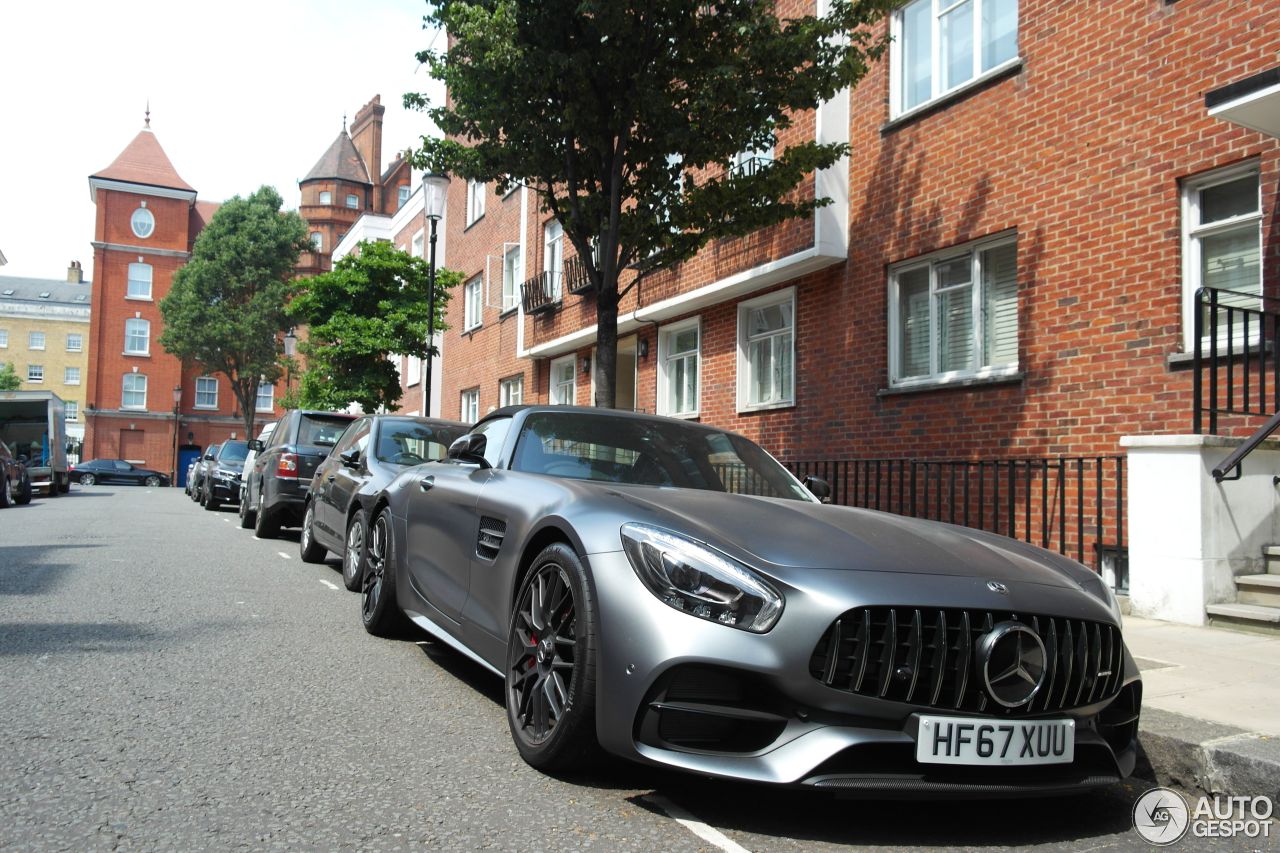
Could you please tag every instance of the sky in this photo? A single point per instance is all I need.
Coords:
(241, 94)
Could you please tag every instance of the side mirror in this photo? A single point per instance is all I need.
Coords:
(350, 458)
(255, 445)
(470, 449)
(820, 488)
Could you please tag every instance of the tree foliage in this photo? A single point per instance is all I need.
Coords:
(372, 305)
(226, 308)
(9, 378)
(626, 116)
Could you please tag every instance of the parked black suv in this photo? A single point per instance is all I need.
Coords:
(277, 489)
(220, 479)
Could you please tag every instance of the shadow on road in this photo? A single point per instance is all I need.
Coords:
(24, 569)
(27, 638)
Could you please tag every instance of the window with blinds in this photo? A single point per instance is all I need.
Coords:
(954, 314)
(1222, 241)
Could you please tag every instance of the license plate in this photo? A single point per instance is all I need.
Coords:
(983, 741)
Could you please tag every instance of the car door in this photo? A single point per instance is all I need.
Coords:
(337, 482)
(441, 524)
(121, 472)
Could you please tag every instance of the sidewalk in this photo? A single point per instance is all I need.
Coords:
(1210, 707)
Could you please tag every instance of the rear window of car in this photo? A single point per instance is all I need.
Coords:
(321, 431)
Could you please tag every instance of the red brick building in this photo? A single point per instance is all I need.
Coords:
(147, 221)
(1007, 272)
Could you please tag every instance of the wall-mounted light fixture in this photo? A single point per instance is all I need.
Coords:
(586, 365)
(642, 348)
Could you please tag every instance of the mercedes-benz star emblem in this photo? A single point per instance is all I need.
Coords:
(996, 586)
(1011, 661)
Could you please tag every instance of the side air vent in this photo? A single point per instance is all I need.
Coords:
(492, 532)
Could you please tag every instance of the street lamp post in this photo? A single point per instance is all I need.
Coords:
(290, 348)
(177, 402)
(434, 189)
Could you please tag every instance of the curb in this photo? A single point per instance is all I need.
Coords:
(1201, 757)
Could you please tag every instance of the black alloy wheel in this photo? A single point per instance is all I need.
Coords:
(23, 497)
(550, 677)
(210, 501)
(265, 524)
(309, 549)
(246, 515)
(6, 489)
(379, 610)
(87, 479)
(353, 558)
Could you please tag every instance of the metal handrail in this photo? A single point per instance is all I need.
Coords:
(539, 293)
(1237, 456)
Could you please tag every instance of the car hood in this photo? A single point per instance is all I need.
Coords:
(779, 535)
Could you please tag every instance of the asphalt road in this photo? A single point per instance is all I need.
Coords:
(169, 682)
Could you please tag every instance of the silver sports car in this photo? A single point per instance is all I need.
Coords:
(670, 593)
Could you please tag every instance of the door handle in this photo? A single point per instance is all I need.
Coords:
(426, 483)
(329, 479)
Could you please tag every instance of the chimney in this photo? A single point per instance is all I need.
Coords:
(75, 274)
(366, 135)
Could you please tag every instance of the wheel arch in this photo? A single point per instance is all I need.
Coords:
(549, 534)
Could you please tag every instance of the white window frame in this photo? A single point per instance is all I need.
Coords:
(511, 391)
(142, 222)
(36, 341)
(413, 370)
(788, 397)
(553, 256)
(35, 373)
(666, 335)
(469, 406)
(270, 404)
(326, 196)
(137, 379)
(475, 201)
(1193, 232)
(974, 251)
(206, 381)
(317, 241)
(71, 410)
(71, 375)
(353, 201)
(145, 325)
(4, 338)
(556, 390)
(140, 274)
(512, 275)
(78, 345)
(402, 195)
(940, 8)
(473, 303)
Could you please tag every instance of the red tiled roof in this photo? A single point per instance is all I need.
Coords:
(201, 213)
(341, 161)
(143, 161)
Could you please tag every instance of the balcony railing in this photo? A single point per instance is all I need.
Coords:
(1073, 505)
(576, 279)
(1236, 369)
(541, 293)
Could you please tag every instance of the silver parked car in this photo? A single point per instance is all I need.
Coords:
(670, 593)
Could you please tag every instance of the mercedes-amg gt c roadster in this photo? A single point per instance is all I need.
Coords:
(670, 593)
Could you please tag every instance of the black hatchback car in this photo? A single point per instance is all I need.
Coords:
(276, 491)
(220, 477)
(368, 456)
(116, 471)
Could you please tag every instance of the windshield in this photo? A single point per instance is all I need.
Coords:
(321, 431)
(637, 451)
(233, 451)
(407, 442)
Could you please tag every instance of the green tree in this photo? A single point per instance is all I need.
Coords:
(226, 308)
(608, 109)
(9, 378)
(372, 305)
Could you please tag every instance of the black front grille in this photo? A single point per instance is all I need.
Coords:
(492, 532)
(925, 656)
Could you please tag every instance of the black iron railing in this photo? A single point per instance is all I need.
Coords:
(576, 279)
(1071, 504)
(541, 293)
(1236, 369)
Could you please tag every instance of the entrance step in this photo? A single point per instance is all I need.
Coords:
(1254, 618)
(1258, 589)
(1271, 555)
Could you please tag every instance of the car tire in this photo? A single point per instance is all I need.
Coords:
(6, 490)
(25, 491)
(247, 515)
(64, 483)
(87, 479)
(210, 501)
(379, 610)
(309, 549)
(151, 482)
(353, 556)
(265, 525)
(553, 633)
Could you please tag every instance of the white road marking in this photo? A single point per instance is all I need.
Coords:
(697, 827)
(330, 585)
(283, 554)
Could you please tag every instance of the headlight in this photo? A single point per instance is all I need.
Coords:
(694, 579)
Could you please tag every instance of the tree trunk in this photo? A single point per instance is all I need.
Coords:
(605, 363)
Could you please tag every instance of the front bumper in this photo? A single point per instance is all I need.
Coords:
(225, 488)
(678, 691)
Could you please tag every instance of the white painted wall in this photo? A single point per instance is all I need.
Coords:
(1188, 535)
